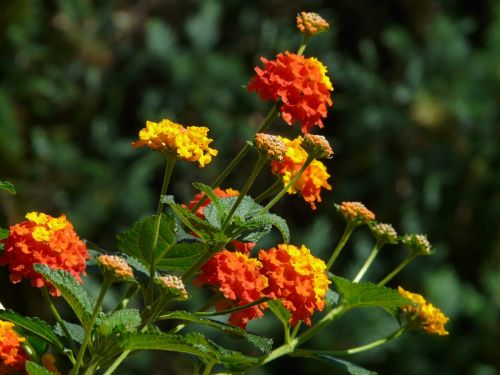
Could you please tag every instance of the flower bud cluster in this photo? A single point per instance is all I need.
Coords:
(384, 233)
(116, 267)
(417, 243)
(311, 23)
(174, 286)
(271, 146)
(355, 212)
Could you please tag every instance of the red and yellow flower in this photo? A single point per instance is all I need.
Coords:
(188, 143)
(300, 83)
(12, 354)
(241, 282)
(46, 240)
(297, 278)
(313, 179)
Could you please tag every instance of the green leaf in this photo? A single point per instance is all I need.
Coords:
(346, 366)
(4, 233)
(192, 343)
(214, 199)
(264, 344)
(181, 256)
(124, 320)
(7, 186)
(280, 311)
(202, 228)
(358, 295)
(271, 219)
(76, 331)
(34, 325)
(138, 241)
(33, 369)
(71, 291)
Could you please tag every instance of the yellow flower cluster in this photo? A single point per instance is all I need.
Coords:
(46, 225)
(429, 317)
(188, 143)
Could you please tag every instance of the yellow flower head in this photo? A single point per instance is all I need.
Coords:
(189, 143)
(429, 318)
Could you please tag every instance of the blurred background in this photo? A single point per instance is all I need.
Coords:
(415, 127)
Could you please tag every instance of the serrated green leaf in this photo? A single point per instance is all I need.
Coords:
(264, 344)
(214, 199)
(271, 219)
(124, 320)
(76, 331)
(70, 289)
(33, 325)
(346, 366)
(138, 241)
(213, 216)
(181, 256)
(192, 343)
(8, 186)
(33, 369)
(358, 295)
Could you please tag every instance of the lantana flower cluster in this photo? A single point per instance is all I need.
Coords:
(46, 240)
(12, 353)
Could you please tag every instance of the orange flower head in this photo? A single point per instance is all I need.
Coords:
(296, 277)
(427, 317)
(116, 267)
(318, 146)
(240, 280)
(311, 23)
(244, 247)
(313, 179)
(12, 354)
(189, 143)
(271, 146)
(355, 212)
(299, 83)
(46, 240)
(174, 286)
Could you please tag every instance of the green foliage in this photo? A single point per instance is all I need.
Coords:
(34, 369)
(120, 321)
(264, 344)
(280, 311)
(34, 325)
(7, 186)
(181, 256)
(138, 241)
(76, 331)
(342, 365)
(361, 295)
(70, 289)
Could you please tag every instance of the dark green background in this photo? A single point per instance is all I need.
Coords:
(415, 127)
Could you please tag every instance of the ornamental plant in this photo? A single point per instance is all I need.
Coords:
(212, 242)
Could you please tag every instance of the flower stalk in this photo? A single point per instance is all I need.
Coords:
(368, 262)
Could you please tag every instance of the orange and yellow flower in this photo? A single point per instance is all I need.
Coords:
(46, 240)
(297, 278)
(12, 354)
(188, 143)
(428, 317)
(300, 83)
(244, 247)
(310, 183)
(239, 279)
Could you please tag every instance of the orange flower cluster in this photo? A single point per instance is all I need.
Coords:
(356, 212)
(311, 23)
(429, 317)
(46, 240)
(310, 183)
(116, 267)
(301, 85)
(297, 278)
(239, 279)
(244, 247)
(12, 354)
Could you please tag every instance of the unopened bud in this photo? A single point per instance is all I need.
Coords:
(355, 212)
(317, 145)
(116, 267)
(311, 23)
(417, 243)
(271, 146)
(173, 286)
(384, 233)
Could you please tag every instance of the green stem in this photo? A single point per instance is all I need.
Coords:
(88, 330)
(170, 163)
(261, 161)
(234, 309)
(368, 262)
(271, 116)
(296, 329)
(117, 362)
(131, 290)
(268, 192)
(61, 322)
(303, 44)
(292, 181)
(211, 301)
(208, 368)
(396, 270)
(91, 369)
(358, 349)
(345, 237)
